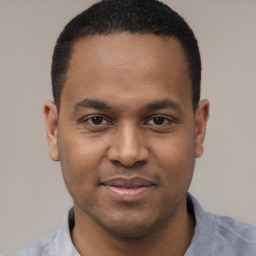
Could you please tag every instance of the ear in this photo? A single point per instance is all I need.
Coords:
(201, 118)
(51, 122)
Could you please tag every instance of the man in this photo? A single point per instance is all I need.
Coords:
(126, 125)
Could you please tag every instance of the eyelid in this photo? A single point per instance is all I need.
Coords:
(168, 118)
(85, 120)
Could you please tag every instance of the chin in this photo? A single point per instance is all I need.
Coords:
(129, 227)
(129, 231)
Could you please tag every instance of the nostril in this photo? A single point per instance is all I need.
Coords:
(134, 164)
(116, 162)
(139, 163)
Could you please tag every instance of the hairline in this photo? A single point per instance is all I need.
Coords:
(116, 32)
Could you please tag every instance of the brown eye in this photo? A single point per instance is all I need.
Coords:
(159, 120)
(96, 120)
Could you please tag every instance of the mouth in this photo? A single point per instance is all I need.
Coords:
(123, 189)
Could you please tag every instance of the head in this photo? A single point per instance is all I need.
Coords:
(131, 16)
(126, 123)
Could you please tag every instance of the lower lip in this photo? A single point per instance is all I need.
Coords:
(128, 195)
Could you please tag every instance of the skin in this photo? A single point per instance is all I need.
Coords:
(126, 111)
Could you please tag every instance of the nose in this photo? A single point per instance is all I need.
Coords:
(128, 147)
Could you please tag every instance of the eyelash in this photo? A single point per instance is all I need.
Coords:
(164, 119)
(86, 120)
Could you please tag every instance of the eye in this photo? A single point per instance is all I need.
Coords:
(96, 120)
(159, 120)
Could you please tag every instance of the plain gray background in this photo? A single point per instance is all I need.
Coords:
(33, 197)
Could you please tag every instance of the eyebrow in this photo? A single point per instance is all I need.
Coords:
(163, 104)
(101, 105)
(91, 103)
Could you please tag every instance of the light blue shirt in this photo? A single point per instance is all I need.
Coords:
(214, 236)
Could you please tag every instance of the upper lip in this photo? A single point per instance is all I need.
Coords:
(135, 182)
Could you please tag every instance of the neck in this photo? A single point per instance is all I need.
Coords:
(172, 238)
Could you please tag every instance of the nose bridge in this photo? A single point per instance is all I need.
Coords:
(129, 141)
(128, 146)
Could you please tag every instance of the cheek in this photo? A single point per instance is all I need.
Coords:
(80, 160)
(176, 157)
(177, 149)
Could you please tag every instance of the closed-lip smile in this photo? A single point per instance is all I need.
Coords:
(124, 189)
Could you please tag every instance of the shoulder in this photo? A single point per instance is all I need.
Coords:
(221, 235)
(43, 246)
(232, 237)
(235, 230)
(56, 243)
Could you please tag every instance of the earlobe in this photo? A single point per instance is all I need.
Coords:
(51, 123)
(201, 118)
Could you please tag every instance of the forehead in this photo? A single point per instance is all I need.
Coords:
(126, 63)
(120, 49)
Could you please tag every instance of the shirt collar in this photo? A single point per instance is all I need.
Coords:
(202, 238)
(200, 241)
(64, 242)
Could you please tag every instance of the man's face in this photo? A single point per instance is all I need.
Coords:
(127, 136)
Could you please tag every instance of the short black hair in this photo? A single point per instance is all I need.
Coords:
(132, 16)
